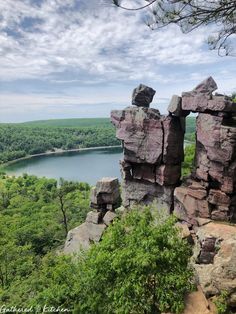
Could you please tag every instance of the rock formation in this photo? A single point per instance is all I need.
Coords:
(153, 153)
(105, 197)
(153, 149)
(142, 96)
(151, 170)
(211, 192)
(215, 259)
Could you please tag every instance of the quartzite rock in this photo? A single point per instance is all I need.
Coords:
(80, 238)
(142, 192)
(175, 107)
(191, 207)
(109, 217)
(206, 87)
(220, 274)
(168, 174)
(142, 96)
(173, 148)
(105, 192)
(94, 217)
(141, 131)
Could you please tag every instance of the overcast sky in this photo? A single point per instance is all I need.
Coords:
(82, 58)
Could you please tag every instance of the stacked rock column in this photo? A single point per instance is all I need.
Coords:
(211, 193)
(153, 151)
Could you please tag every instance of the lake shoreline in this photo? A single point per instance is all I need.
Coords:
(55, 152)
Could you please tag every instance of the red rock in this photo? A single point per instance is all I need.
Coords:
(197, 103)
(144, 172)
(218, 197)
(173, 150)
(141, 131)
(194, 207)
(175, 107)
(220, 215)
(197, 193)
(142, 96)
(168, 174)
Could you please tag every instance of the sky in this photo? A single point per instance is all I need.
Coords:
(83, 58)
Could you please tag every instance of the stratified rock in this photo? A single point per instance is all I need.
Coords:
(80, 238)
(168, 174)
(206, 87)
(220, 274)
(142, 96)
(216, 151)
(175, 107)
(105, 192)
(136, 192)
(173, 148)
(202, 103)
(192, 207)
(218, 197)
(109, 217)
(200, 99)
(141, 131)
(145, 172)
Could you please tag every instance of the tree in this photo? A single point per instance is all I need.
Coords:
(191, 14)
(140, 266)
(65, 187)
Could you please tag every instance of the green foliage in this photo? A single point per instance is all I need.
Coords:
(32, 225)
(20, 140)
(52, 283)
(69, 123)
(188, 164)
(221, 303)
(141, 266)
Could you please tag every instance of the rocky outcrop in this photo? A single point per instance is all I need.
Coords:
(105, 197)
(211, 193)
(153, 149)
(142, 96)
(215, 259)
(153, 153)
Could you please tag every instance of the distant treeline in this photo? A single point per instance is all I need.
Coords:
(21, 139)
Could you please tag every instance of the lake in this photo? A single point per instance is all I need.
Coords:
(84, 166)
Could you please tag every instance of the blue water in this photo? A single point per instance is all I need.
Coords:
(84, 166)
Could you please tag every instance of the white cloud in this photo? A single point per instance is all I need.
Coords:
(104, 42)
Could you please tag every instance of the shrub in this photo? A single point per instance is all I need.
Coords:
(141, 266)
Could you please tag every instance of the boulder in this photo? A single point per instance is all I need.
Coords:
(109, 217)
(206, 87)
(200, 99)
(105, 192)
(94, 217)
(196, 303)
(142, 96)
(220, 273)
(81, 237)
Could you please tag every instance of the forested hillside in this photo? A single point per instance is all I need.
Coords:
(22, 139)
(35, 215)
